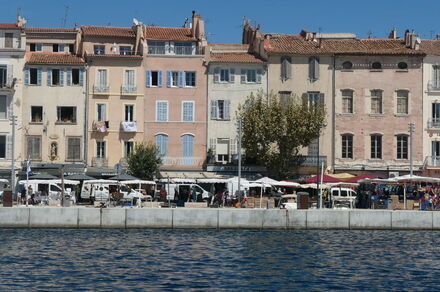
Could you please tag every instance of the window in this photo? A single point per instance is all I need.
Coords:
(376, 101)
(286, 68)
(66, 114)
(222, 150)
(154, 78)
(75, 76)
(36, 114)
(124, 50)
(3, 76)
(313, 69)
(347, 101)
(220, 109)
(54, 77)
(71, 48)
(99, 49)
(251, 76)
(402, 147)
(101, 79)
(129, 113)
(3, 107)
(36, 47)
(56, 48)
(73, 148)
(315, 99)
(156, 48)
(2, 146)
(190, 79)
(347, 146)
(224, 75)
(100, 149)
(34, 147)
(162, 144)
(34, 77)
(188, 111)
(183, 48)
(402, 102)
(376, 66)
(9, 40)
(402, 66)
(347, 65)
(161, 111)
(128, 148)
(129, 82)
(285, 97)
(435, 82)
(101, 112)
(173, 79)
(376, 146)
(188, 149)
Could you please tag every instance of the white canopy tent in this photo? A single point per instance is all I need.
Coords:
(45, 181)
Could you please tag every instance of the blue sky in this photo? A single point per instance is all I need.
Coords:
(224, 18)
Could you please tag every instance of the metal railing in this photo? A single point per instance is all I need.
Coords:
(156, 50)
(311, 160)
(100, 89)
(128, 89)
(182, 161)
(432, 161)
(99, 162)
(433, 123)
(433, 85)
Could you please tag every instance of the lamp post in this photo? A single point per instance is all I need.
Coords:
(321, 126)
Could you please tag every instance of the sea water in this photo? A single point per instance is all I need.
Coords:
(241, 260)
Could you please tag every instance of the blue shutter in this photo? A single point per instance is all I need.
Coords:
(49, 76)
(69, 77)
(61, 77)
(180, 79)
(169, 77)
(159, 78)
(39, 72)
(148, 78)
(195, 79)
(38, 47)
(60, 48)
(26, 76)
(81, 76)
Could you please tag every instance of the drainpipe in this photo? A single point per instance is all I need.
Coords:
(86, 116)
(333, 113)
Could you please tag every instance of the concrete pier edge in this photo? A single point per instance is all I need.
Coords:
(223, 218)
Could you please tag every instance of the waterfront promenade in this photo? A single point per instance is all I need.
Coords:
(222, 218)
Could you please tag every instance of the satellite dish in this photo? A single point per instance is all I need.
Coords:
(135, 21)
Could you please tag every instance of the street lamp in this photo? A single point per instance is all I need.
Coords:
(321, 126)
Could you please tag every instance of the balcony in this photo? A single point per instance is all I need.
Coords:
(128, 127)
(433, 123)
(101, 89)
(432, 162)
(434, 85)
(99, 162)
(128, 90)
(182, 161)
(307, 160)
(100, 126)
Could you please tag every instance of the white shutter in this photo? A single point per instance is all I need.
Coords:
(216, 75)
(243, 75)
(9, 75)
(232, 75)
(226, 109)
(214, 105)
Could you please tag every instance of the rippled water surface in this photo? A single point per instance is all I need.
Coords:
(219, 259)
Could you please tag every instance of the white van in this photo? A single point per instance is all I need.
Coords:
(181, 188)
(339, 196)
(100, 190)
(44, 188)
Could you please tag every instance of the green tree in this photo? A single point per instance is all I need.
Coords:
(144, 161)
(274, 131)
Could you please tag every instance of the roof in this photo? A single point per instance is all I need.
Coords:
(53, 58)
(108, 31)
(430, 47)
(105, 56)
(49, 29)
(8, 25)
(168, 33)
(297, 44)
(237, 57)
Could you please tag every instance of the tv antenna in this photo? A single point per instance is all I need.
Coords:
(66, 11)
(369, 33)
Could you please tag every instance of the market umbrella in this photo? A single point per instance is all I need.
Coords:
(43, 175)
(361, 177)
(123, 176)
(79, 176)
(325, 179)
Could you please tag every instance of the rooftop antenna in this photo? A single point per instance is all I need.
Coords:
(18, 12)
(66, 10)
(369, 33)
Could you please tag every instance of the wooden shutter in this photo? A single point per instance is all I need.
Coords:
(316, 70)
(232, 75)
(60, 48)
(321, 98)
(81, 76)
(148, 84)
(69, 77)
(226, 109)
(243, 76)
(27, 76)
(180, 79)
(62, 77)
(39, 77)
(216, 75)
(49, 76)
(214, 105)
(159, 78)
(169, 78)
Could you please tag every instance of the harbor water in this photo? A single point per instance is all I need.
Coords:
(60, 259)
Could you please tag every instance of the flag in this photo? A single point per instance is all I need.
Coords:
(29, 170)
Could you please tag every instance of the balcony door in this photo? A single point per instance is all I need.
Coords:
(435, 160)
(436, 112)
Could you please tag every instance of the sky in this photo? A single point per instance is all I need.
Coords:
(224, 18)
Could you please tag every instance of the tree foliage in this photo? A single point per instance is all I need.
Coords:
(274, 131)
(144, 161)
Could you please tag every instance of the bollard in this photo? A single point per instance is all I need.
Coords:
(7, 198)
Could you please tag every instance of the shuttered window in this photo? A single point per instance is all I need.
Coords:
(161, 111)
(34, 148)
(347, 146)
(162, 144)
(286, 68)
(188, 149)
(313, 69)
(188, 111)
(73, 148)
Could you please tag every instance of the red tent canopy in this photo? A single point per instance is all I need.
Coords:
(359, 177)
(325, 179)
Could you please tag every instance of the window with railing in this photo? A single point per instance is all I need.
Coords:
(183, 48)
(156, 48)
(435, 82)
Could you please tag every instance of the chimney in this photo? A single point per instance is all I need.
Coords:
(393, 34)
(407, 38)
(198, 26)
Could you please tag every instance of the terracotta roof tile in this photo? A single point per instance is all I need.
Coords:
(168, 33)
(49, 29)
(53, 58)
(234, 58)
(296, 44)
(137, 57)
(108, 31)
(8, 25)
(430, 47)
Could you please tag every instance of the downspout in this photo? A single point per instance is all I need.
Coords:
(86, 116)
(333, 113)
